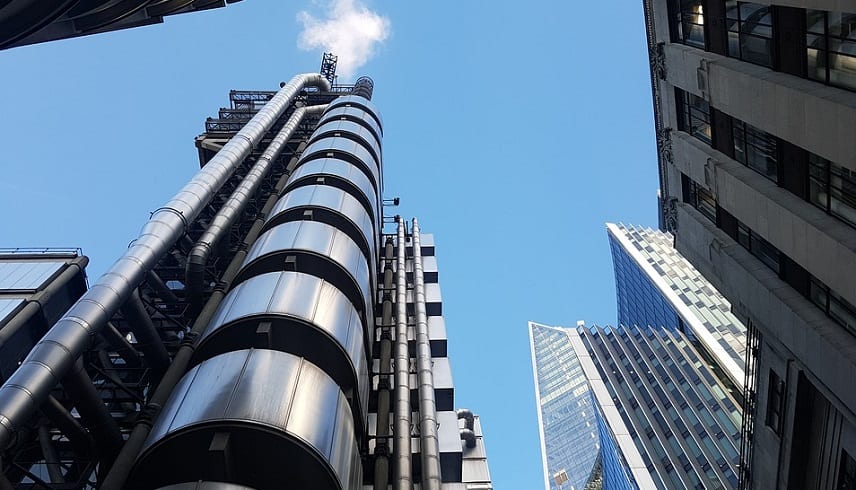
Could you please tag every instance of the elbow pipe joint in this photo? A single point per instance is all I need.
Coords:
(468, 416)
(468, 436)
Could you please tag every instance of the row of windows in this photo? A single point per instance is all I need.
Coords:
(825, 184)
(823, 50)
(830, 302)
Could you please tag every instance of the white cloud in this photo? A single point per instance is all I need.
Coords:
(349, 30)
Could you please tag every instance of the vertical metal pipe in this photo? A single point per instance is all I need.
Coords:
(220, 225)
(50, 455)
(425, 376)
(383, 395)
(403, 478)
(55, 354)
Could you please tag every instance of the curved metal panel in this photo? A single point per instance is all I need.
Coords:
(352, 131)
(361, 102)
(206, 485)
(319, 249)
(228, 410)
(21, 18)
(342, 174)
(344, 149)
(334, 207)
(355, 114)
(296, 313)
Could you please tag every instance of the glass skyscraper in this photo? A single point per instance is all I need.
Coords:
(656, 286)
(631, 407)
(655, 401)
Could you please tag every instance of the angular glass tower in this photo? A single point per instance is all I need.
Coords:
(656, 286)
(639, 406)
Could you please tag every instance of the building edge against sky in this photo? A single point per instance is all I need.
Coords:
(755, 112)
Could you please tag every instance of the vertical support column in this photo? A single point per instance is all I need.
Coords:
(403, 474)
(381, 475)
(425, 376)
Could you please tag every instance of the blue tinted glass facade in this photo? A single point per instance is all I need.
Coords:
(657, 286)
(613, 472)
(639, 300)
(566, 415)
(681, 417)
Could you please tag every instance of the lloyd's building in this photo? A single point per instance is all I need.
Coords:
(269, 328)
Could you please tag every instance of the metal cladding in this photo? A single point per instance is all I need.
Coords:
(364, 87)
(24, 22)
(227, 420)
(354, 114)
(429, 440)
(232, 209)
(297, 313)
(206, 485)
(57, 351)
(348, 150)
(235, 345)
(352, 131)
(332, 206)
(359, 102)
(316, 248)
(402, 467)
(341, 174)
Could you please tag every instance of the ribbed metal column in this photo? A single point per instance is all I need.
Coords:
(425, 376)
(403, 479)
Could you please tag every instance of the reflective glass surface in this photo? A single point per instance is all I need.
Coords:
(568, 426)
(684, 299)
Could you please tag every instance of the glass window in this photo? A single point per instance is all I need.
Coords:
(832, 188)
(694, 116)
(832, 304)
(689, 20)
(831, 47)
(775, 402)
(846, 472)
(750, 32)
(756, 149)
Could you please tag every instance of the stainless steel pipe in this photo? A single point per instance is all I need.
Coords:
(402, 473)
(431, 478)
(57, 351)
(198, 257)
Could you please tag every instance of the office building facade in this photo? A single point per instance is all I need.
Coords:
(24, 22)
(265, 330)
(755, 112)
(656, 286)
(655, 414)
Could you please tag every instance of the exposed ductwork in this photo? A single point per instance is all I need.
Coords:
(467, 432)
(198, 257)
(429, 442)
(57, 351)
(402, 477)
(364, 87)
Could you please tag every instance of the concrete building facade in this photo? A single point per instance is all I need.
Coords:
(755, 112)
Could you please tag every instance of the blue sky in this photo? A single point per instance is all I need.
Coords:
(513, 131)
